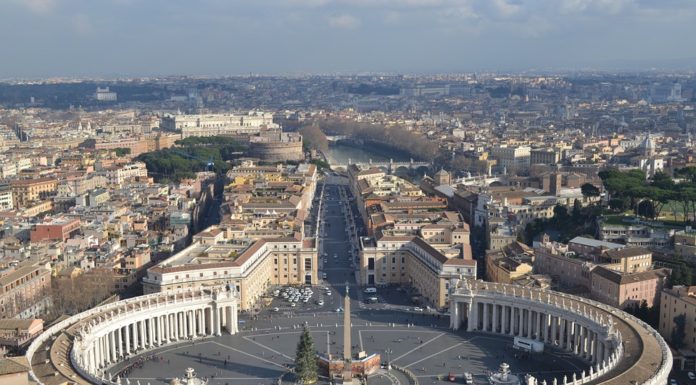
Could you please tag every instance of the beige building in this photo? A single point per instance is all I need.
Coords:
(679, 300)
(623, 290)
(513, 158)
(218, 124)
(23, 290)
(545, 156)
(409, 260)
(509, 263)
(565, 267)
(252, 270)
(25, 191)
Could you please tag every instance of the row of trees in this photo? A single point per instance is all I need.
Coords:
(75, 294)
(314, 138)
(630, 190)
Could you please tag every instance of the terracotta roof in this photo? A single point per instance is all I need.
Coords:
(627, 252)
(460, 262)
(626, 278)
(430, 250)
(12, 365)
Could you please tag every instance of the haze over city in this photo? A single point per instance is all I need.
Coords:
(81, 38)
(344, 192)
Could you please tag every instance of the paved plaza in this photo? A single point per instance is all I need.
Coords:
(262, 353)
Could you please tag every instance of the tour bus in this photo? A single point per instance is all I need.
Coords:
(528, 345)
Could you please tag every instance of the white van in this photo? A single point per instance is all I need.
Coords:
(370, 290)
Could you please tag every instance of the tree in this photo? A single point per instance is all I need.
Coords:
(313, 138)
(577, 210)
(681, 275)
(678, 333)
(122, 151)
(589, 190)
(560, 213)
(305, 359)
(646, 209)
(617, 204)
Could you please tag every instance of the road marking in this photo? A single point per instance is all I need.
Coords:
(433, 355)
(418, 347)
(250, 355)
(266, 347)
(328, 344)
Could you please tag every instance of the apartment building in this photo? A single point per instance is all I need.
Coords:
(23, 290)
(675, 302)
(25, 191)
(6, 200)
(117, 175)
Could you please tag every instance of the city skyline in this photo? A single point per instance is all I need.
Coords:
(135, 38)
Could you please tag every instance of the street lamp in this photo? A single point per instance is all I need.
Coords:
(389, 352)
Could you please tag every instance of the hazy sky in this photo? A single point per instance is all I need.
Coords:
(226, 37)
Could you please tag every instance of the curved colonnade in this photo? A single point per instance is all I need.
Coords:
(81, 348)
(619, 348)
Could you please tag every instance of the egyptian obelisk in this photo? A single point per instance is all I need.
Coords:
(346, 326)
(347, 356)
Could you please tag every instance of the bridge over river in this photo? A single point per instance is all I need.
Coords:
(390, 166)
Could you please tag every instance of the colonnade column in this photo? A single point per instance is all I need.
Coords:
(496, 318)
(159, 324)
(137, 337)
(142, 336)
(218, 322)
(112, 346)
(127, 339)
(100, 351)
(485, 317)
(520, 323)
(593, 346)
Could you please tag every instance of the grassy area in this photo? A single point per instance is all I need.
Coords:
(617, 220)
